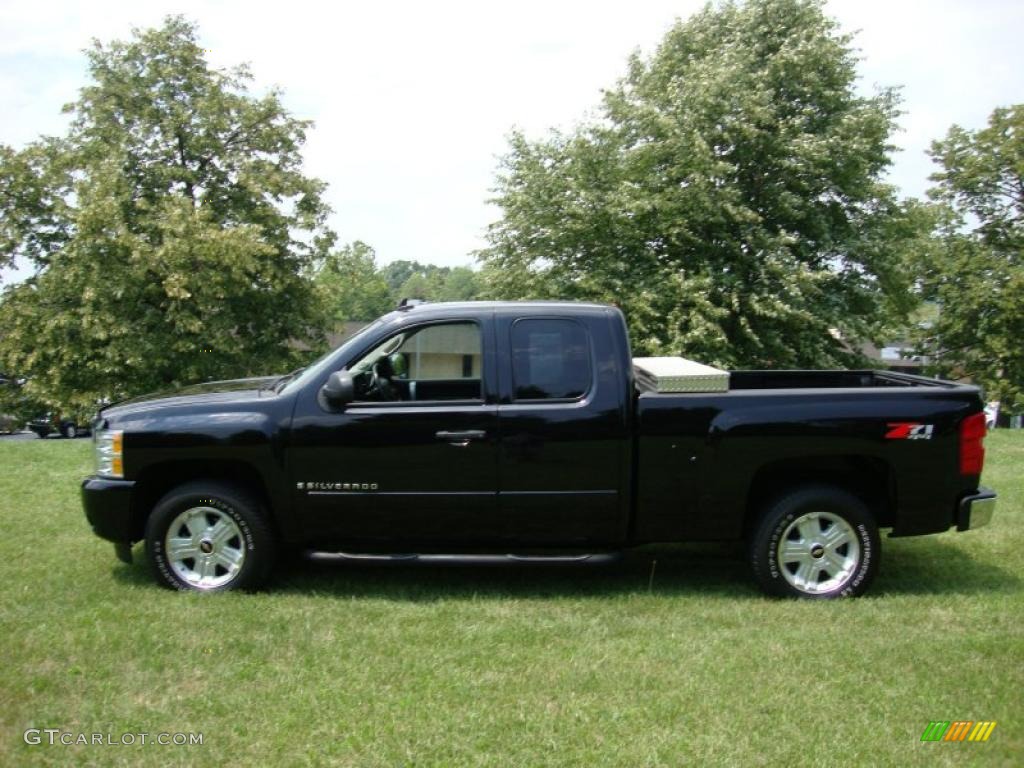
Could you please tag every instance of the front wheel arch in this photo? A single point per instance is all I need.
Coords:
(157, 480)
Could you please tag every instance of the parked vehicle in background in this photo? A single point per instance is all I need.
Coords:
(55, 423)
(465, 432)
(16, 406)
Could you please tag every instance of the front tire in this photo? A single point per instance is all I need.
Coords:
(208, 536)
(70, 431)
(817, 542)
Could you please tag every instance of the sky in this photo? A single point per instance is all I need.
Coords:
(413, 101)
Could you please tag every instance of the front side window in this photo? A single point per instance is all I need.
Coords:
(550, 360)
(433, 362)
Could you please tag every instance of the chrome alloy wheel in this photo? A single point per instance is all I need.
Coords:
(818, 552)
(204, 547)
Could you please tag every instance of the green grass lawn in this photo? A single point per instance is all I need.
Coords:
(372, 666)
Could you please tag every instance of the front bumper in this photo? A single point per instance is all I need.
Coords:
(976, 509)
(108, 508)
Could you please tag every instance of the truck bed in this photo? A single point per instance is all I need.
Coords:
(808, 379)
(829, 380)
(703, 454)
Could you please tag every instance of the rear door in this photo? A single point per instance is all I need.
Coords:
(564, 446)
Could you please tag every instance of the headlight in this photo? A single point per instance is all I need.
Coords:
(109, 452)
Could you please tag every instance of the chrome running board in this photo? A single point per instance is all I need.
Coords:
(597, 558)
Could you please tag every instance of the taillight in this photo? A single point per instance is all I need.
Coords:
(972, 449)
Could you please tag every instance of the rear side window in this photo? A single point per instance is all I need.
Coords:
(550, 360)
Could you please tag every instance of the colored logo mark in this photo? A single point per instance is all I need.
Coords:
(909, 431)
(958, 730)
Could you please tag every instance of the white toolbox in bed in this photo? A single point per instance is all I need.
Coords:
(677, 374)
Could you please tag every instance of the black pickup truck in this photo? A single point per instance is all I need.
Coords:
(453, 432)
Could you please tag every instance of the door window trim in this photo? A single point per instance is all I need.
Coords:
(417, 327)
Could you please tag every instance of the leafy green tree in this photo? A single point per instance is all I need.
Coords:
(397, 272)
(173, 232)
(977, 275)
(459, 284)
(351, 286)
(34, 185)
(729, 199)
(423, 285)
(411, 279)
(15, 402)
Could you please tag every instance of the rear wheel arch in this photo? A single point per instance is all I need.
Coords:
(869, 479)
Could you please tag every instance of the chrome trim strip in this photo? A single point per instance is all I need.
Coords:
(603, 492)
(463, 493)
(401, 493)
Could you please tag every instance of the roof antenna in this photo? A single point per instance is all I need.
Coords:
(407, 303)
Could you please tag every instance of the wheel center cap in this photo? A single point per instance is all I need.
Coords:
(205, 546)
(817, 551)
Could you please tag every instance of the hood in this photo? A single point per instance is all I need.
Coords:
(193, 394)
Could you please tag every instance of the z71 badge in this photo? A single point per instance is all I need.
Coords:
(909, 430)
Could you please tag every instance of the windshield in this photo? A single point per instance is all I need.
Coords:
(313, 370)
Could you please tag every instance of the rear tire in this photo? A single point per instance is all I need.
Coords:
(817, 542)
(70, 431)
(209, 536)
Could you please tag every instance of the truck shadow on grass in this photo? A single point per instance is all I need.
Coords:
(917, 567)
(930, 566)
(720, 572)
(716, 570)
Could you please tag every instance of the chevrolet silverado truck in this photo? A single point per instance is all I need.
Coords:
(521, 433)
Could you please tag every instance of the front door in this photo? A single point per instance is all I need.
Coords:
(414, 459)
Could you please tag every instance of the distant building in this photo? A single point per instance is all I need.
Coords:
(898, 356)
(348, 328)
(447, 352)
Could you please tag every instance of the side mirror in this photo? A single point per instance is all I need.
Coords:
(339, 389)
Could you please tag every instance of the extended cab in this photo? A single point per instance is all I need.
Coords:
(473, 430)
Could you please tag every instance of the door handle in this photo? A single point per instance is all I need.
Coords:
(461, 438)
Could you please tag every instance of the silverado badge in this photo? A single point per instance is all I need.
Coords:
(316, 485)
